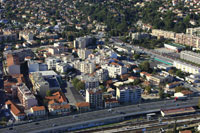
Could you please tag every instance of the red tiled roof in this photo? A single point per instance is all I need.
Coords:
(178, 111)
(38, 108)
(82, 104)
(65, 106)
(57, 97)
(15, 110)
(186, 131)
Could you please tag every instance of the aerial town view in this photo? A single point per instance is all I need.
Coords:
(100, 66)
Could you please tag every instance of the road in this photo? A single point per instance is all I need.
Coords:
(73, 95)
(95, 116)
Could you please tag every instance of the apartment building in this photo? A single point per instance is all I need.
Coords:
(193, 31)
(51, 62)
(40, 86)
(86, 67)
(190, 56)
(162, 33)
(8, 36)
(185, 67)
(83, 53)
(95, 98)
(90, 81)
(102, 74)
(128, 94)
(25, 96)
(34, 66)
(188, 40)
(82, 42)
(26, 35)
(21, 53)
(139, 35)
(62, 67)
(114, 69)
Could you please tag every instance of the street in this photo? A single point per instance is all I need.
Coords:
(100, 115)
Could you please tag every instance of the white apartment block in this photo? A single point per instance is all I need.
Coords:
(51, 62)
(128, 94)
(26, 35)
(83, 53)
(114, 69)
(95, 98)
(84, 66)
(193, 31)
(162, 33)
(90, 81)
(102, 74)
(25, 96)
(82, 42)
(62, 67)
(40, 85)
(186, 67)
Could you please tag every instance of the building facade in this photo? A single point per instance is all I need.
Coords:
(128, 94)
(25, 96)
(95, 98)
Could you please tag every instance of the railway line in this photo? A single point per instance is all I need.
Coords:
(150, 125)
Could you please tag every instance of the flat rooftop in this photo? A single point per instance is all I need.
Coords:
(176, 45)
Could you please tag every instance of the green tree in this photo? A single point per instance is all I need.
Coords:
(161, 93)
(145, 66)
(80, 85)
(180, 74)
(148, 89)
(136, 56)
(103, 88)
(75, 82)
(199, 103)
(171, 71)
(136, 81)
(48, 93)
(4, 119)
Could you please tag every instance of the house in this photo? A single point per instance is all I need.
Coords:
(83, 106)
(183, 93)
(110, 103)
(144, 74)
(155, 79)
(17, 113)
(38, 111)
(57, 104)
(132, 78)
(173, 85)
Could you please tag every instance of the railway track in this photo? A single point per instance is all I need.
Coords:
(153, 122)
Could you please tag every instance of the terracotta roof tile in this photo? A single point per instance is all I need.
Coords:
(38, 108)
(82, 104)
(14, 108)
